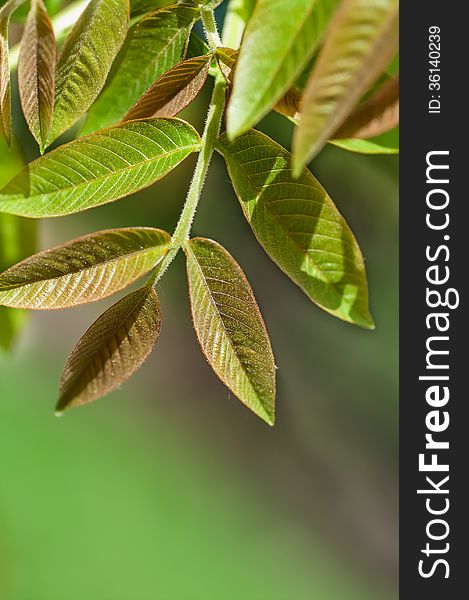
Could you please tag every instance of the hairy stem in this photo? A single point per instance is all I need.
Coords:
(210, 27)
(212, 129)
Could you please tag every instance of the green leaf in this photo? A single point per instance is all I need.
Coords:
(280, 38)
(99, 168)
(229, 326)
(85, 60)
(36, 71)
(387, 143)
(154, 45)
(84, 270)
(173, 91)
(299, 226)
(377, 115)
(112, 349)
(361, 41)
(5, 89)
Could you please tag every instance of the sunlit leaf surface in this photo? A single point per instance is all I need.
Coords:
(279, 40)
(154, 45)
(173, 91)
(83, 270)
(361, 40)
(85, 60)
(229, 326)
(99, 168)
(36, 71)
(299, 226)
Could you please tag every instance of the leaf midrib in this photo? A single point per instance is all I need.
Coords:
(281, 62)
(14, 197)
(104, 263)
(227, 334)
(259, 197)
(72, 382)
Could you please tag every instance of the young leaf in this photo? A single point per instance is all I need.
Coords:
(229, 326)
(112, 349)
(299, 226)
(377, 115)
(17, 240)
(361, 41)
(5, 92)
(36, 71)
(154, 45)
(173, 91)
(99, 168)
(85, 60)
(280, 38)
(378, 145)
(84, 270)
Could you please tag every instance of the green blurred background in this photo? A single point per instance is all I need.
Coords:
(169, 489)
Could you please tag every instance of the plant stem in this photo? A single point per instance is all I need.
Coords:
(209, 137)
(210, 27)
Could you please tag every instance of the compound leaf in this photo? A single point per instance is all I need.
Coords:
(85, 60)
(112, 349)
(299, 226)
(173, 91)
(99, 168)
(36, 71)
(154, 45)
(280, 38)
(5, 88)
(84, 270)
(361, 41)
(229, 326)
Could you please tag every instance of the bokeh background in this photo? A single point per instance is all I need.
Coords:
(169, 488)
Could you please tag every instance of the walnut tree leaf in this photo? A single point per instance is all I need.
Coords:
(298, 226)
(173, 91)
(229, 326)
(278, 42)
(85, 60)
(5, 88)
(360, 42)
(36, 71)
(99, 168)
(376, 115)
(83, 270)
(112, 349)
(155, 43)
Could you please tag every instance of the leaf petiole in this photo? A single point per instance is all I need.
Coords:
(209, 138)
